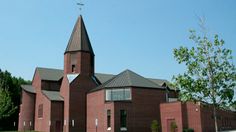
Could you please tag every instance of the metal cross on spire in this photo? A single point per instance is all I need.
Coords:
(80, 4)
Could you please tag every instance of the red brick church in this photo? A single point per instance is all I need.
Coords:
(77, 99)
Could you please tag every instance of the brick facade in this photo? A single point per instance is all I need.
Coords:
(141, 110)
(57, 111)
(26, 115)
(83, 62)
(196, 116)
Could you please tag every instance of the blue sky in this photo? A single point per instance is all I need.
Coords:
(125, 34)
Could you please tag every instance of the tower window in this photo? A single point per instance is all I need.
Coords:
(73, 68)
(109, 119)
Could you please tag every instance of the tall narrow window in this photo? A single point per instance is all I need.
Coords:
(108, 119)
(40, 111)
(123, 116)
(73, 68)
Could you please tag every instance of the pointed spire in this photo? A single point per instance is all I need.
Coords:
(79, 40)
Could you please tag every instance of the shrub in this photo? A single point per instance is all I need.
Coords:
(173, 126)
(188, 130)
(154, 126)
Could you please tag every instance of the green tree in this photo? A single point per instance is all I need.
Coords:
(210, 75)
(7, 107)
(9, 99)
(154, 126)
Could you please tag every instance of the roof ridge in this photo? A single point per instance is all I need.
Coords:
(48, 68)
(157, 79)
(107, 82)
(106, 73)
(129, 78)
(144, 78)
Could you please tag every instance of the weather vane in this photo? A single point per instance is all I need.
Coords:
(80, 4)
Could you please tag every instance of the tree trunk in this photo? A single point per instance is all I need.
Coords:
(215, 118)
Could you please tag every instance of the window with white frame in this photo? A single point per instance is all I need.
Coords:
(118, 94)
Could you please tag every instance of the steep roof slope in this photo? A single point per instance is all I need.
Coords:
(79, 40)
(103, 77)
(53, 95)
(50, 74)
(28, 88)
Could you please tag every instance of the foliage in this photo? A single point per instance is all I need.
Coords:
(210, 76)
(6, 106)
(154, 126)
(173, 126)
(10, 99)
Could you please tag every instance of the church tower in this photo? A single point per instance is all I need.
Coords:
(79, 56)
(78, 78)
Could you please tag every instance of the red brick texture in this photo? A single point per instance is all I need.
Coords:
(83, 61)
(226, 119)
(57, 114)
(141, 110)
(74, 94)
(42, 123)
(52, 111)
(75, 102)
(171, 112)
(97, 109)
(26, 115)
(51, 85)
(196, 116)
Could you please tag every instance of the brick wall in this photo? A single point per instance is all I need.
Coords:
(226, 119)
(171, 112)
(196, 116)
(51, 85)
(97, 109)
(26, 115)
(83, 61)
(42, 123)
(75, 102)
(141, 111)
(57, 114)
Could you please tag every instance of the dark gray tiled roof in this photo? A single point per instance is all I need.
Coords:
(50, 74)
(57, 74)
(163, 82)
(79, 40)
(103, 77)
(158, 81)
(128, 78)
(28, 88)
(53, 95)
